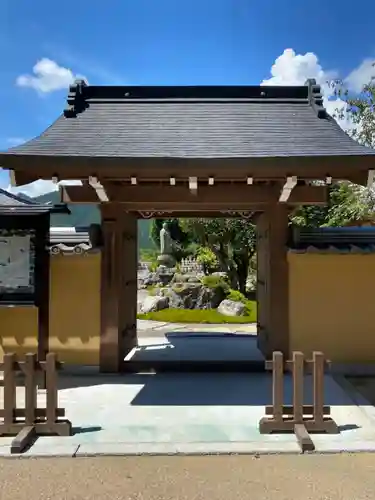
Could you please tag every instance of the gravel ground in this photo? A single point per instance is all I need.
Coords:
(297, 477)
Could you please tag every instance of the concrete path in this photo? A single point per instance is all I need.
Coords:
(170, 413)
(149, 328)
(188, 414)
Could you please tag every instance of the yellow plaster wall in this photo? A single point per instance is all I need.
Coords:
(74, 313)
(332, 305)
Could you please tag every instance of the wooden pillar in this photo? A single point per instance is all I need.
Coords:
(119, 265)
(273, 280)
(42, 286)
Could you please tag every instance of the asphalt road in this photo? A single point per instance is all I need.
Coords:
(288, 477)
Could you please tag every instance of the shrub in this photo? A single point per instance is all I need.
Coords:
(211, 281)
(237, 296)
(207, 258)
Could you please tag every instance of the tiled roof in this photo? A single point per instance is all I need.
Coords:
(193, 122)
(12, 200)
(12, 204)
(335, 249)
(337, 240)
(69, 241)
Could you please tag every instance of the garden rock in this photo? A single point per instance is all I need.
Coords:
(154, 303)
(192, 296)
(231, 308)
(150, 280)
(164, 274)
(186, 278)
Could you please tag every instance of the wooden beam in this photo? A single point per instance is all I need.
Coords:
(99, 189)
(193, 185)
(207, 214)
(370, 178)
(314, 167)
(12, 178)
(288, 187)
(220, 197)
(78, 194)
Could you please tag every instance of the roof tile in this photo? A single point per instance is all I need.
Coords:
(193, 122)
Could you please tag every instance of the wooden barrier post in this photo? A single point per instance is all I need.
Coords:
(298, 417)
(28, 422)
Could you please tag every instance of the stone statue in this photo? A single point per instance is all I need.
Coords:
(166, 247)
(165, 240)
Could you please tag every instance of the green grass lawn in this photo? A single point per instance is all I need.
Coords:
(208, 316)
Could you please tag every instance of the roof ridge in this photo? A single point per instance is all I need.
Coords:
(81, 94)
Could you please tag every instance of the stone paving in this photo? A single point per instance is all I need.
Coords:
(158, 328)
(176, 413)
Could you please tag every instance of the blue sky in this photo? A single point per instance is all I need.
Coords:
(44, 45)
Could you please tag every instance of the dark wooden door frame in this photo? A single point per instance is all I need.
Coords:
(119, 285)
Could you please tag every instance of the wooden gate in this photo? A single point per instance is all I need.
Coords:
(30, 420)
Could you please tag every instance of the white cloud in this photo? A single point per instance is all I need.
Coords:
(294, 69)
(40, 187)
(47, 76)
(36, 188)
(361, 75)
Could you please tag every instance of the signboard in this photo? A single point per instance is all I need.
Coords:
(17, 263)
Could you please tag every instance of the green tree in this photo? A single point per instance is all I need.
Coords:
(233, 241)
(359, 109)
(347, 203)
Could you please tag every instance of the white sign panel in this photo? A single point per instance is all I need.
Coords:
(14, 261)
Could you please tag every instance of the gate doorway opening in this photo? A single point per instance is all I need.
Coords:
(181, 296)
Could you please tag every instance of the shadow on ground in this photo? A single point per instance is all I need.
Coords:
(196, 389)
(198, 347)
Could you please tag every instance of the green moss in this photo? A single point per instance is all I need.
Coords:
(204, 316)
(152, 289)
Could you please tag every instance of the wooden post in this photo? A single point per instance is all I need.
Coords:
(273, 280)
(298, 379)
(42, 275)
(278, 385)
(318, 386)
(118, 288)
(9, 388)
(30, 370)
(298, 417)
(51, 388)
